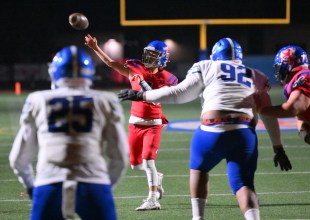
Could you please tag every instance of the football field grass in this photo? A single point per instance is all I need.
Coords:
(282, 195)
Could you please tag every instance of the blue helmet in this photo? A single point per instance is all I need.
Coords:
(226, 49)
(155, 54)
(71, 66)
(289, 59)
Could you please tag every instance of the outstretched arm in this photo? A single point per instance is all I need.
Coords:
(295, 105)
(188, 90)
(91, 42)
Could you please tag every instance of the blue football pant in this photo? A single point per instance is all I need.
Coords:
(238, 147)
(93, 202)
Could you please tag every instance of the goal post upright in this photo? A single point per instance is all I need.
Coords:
(204, 22)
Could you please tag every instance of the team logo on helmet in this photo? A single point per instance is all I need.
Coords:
(288, 55)
(289, 59)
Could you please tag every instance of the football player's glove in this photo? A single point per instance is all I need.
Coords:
(304, 135)
(129, 94)
(280, 158)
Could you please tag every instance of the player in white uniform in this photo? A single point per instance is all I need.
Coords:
(79, 138)
(229, 93)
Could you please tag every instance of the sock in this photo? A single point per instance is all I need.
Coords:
(252, 214)
(152, 195)
(198, 207)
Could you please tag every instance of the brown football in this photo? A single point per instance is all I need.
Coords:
(78, 21)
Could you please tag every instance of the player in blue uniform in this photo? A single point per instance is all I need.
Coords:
(77, 136)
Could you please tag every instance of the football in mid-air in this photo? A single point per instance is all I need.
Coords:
(78, 21)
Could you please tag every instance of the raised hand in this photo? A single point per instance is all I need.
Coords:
(90, 41)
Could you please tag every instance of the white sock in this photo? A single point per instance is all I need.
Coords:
(252, 214)
(152, 195)
(198, 207)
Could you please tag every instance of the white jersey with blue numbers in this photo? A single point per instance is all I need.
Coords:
(221, 85)
(79, 135)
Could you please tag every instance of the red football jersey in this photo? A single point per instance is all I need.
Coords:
(301, 82)
(162, 78)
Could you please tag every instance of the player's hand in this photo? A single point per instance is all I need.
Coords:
(280, 158)
(136, 77)
(129, 94)
(29, 192)
(90, 41)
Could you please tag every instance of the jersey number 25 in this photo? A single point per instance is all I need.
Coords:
(70, 114)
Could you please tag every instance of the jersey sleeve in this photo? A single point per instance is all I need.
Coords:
(25, 144)
(171, 79)
(300, 82)
(261, 81)
(262, 85)
(115, 135)
(187, 90)
(136, 66)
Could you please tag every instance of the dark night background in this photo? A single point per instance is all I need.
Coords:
(32, 30)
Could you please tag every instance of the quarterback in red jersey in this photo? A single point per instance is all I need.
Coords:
(291, 69)
(146, 120)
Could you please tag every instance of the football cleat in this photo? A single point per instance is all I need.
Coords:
(149, 204)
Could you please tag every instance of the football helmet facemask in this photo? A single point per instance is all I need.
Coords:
(155, 54)
(289, 59)
(71, 66)
(226, 49)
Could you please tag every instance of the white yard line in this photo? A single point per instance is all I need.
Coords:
(185, 195)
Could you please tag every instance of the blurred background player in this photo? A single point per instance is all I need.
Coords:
(291, 69)
(229, 92)
(146, 120)
(79, 137)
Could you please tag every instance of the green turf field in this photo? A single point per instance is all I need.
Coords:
(282, 195)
